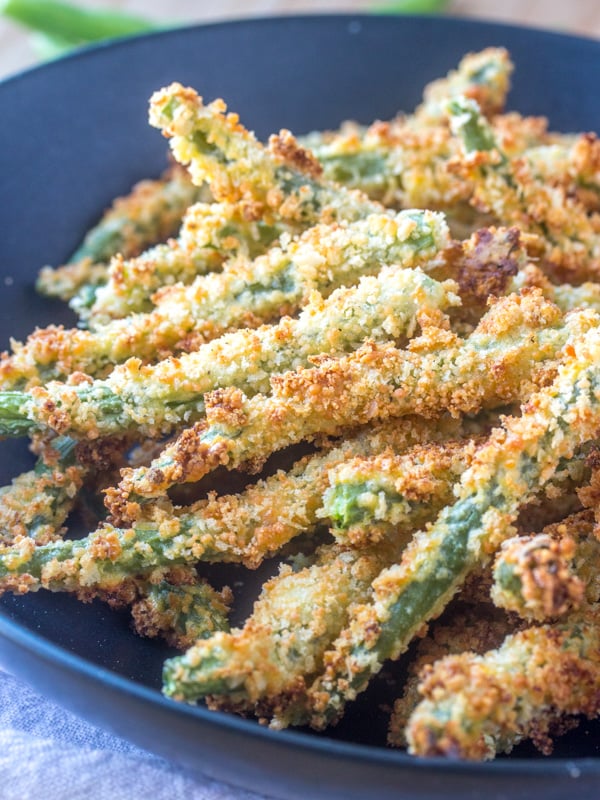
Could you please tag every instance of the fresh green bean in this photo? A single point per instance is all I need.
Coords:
(73, 24)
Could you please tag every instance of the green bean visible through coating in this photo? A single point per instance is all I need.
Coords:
(37, 503)
(244, 294)
(474, 627)
(521, 690)
(149, 214)
(297, 616)
(518, 194)
(181, 613)
(518, 460)
(155, 399)
(438, 372)
(209, 234)
(545, 575)
(245, 527)
(371, 497)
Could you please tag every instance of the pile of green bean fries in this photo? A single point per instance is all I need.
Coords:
(415, 303)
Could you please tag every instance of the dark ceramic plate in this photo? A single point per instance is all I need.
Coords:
(73, 135)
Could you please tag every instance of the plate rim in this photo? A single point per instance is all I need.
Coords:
(124, 41)
(48, 650)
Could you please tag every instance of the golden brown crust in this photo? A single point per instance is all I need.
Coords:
(541, 565)
(285, 148)
(536, 678)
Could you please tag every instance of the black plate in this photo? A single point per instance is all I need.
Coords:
(72, 136)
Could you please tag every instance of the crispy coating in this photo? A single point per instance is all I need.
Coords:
(566, 296)
(483, 77)
(404, 164)
(369, 497)
(477, 706)
(438, 372)
(519, 191)
(262, 193)
(281, 183)
(150, 213)
(485, 266)
(395, 163)
(519, 459)
(491, 262)
(282, 179)
(534, 577)
(246, 293)
(287, 219)
(209, 234)
(37, 502)
(582, 529)
(155, 399)
(242, 528)
(471, 628)
(266, 663)
(181, 613)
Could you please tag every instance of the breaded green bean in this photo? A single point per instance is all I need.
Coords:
(403, 162)
(298, 614)
(388, 161)
(149, 214)
(393, 163)
(437, 372)
(262, 193)
(519, 193)
(155, 399)
(546, 575)
(406, 165)
(280, 188)
(283, 179)
(181, 613)
(265, 665)
(370, 497)
(245, 527)
(491, 262)
(473, 627)
(478, 706)
(37, 503)
(566, 297)
(242, 295)
(533, 577)
(210, 233)
(483, 77)
(519, 459)
(154, 209)
(271, 661)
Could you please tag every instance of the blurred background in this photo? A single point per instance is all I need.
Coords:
(19, 50)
